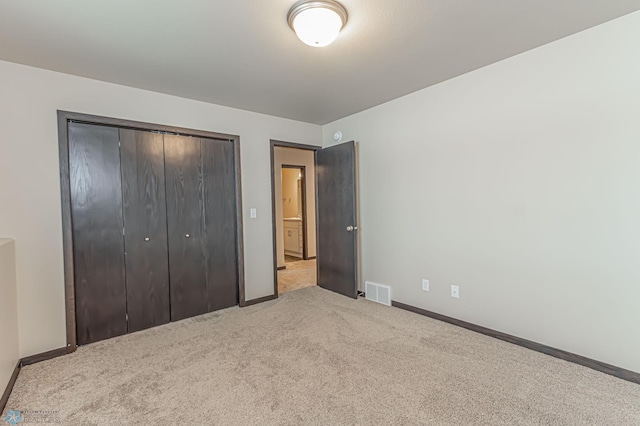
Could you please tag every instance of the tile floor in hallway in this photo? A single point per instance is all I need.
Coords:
(298, 274)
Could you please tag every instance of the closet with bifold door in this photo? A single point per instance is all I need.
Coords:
(154, 225)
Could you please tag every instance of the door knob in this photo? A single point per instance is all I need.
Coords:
(147, 239)
(352, 228)
(187, 236)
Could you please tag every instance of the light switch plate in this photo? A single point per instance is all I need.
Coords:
(253, 213)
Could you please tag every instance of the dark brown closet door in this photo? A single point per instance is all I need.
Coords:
(185, 219)
(98, 247)
(145, 224)
(220, 223)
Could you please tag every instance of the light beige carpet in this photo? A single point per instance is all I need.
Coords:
(299, 274)
(314, 357)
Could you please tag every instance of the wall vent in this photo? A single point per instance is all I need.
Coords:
(378, 293)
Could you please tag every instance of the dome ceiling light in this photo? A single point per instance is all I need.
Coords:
(317, 23)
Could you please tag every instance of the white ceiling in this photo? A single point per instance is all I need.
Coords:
(243, 54)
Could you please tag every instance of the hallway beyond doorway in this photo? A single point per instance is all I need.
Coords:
(298, 274)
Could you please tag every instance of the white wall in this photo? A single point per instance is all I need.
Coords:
(519, 182)
(29, 98)
(295, 157)
(8, 312)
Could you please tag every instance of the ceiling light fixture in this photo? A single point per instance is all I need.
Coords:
(317, 23)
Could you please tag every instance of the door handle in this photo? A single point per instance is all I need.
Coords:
(352, 228)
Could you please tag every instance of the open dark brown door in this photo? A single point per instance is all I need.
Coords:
(337, 256)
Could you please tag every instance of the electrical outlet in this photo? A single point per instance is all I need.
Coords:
(455, 291)
(425, 285)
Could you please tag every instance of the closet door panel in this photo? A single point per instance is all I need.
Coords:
(98, 246)
(145, 223)
(183, 170)
(220, 223)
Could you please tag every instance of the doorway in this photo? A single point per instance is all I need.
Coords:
(295, 218)
(331, 231)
